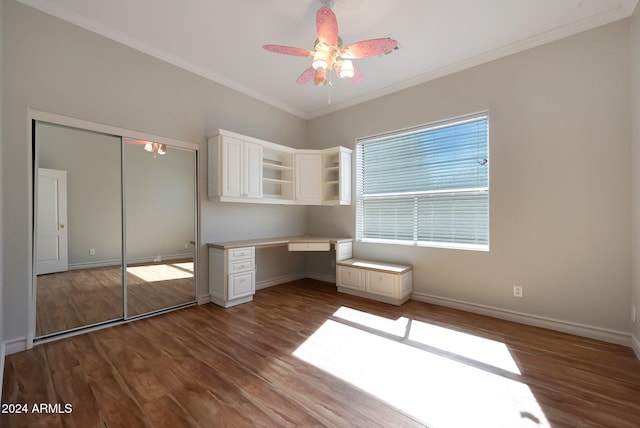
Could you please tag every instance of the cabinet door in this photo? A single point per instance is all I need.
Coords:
(252, 170)
(351, 278)
(232, 168)
(309, 179)
(345, 177)
(241, 284)
(383, 284)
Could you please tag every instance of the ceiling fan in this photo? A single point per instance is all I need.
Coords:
(329, 54)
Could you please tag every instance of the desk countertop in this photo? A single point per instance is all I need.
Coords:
(278, 241)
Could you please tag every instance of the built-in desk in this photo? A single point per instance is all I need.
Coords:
(232, 263)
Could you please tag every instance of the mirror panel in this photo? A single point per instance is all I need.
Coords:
(160, 212)
(78, 251)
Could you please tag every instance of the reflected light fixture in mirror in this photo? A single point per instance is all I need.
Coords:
(151, 147)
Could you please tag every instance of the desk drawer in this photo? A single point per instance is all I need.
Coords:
(241, 285)
(241, 253)
(309, 246)
(247, 265)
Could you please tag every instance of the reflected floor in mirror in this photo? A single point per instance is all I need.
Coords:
(83, 297)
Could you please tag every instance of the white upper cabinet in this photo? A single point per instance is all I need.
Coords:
(309, 178)
(235, 169)
(336, 176)
(231, 170)
(252, 170)
(245, 169)
(277, 174)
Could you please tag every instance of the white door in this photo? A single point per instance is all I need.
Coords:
(52, 242)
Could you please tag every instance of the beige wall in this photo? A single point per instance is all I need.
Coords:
(560, 179)
(635, 198)
(52, 66)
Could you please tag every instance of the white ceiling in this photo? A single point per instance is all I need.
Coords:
(222, 40)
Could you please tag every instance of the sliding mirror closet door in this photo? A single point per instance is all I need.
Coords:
(160, 213)
(78, 228)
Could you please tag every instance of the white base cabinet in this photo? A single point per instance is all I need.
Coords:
(232, 275)
(385, 282)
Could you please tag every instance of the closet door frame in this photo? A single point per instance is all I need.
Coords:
(34, 116)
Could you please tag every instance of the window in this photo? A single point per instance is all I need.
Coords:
(426, 186)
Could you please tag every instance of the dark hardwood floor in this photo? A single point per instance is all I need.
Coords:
(302, 354)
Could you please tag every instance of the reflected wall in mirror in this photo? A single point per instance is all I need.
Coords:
(78, 228)
(160, 195)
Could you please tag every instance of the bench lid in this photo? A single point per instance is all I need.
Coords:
(375, 265)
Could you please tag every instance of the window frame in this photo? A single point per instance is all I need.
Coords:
(419, 195)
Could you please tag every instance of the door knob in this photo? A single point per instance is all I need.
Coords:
(62, 226)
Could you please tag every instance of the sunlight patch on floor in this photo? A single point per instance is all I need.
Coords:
(162, 272)
(440, 390)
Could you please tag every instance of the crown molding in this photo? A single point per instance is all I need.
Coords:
(624, 9)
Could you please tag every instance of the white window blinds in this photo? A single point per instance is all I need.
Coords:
(426, 186)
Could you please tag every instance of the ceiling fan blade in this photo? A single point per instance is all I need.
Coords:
(306, 76)
(327, 26)
(367, 48)
(288, 50)
(357, 76)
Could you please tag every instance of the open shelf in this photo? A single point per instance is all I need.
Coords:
(277, 174)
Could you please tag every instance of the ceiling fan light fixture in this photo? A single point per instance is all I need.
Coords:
(320, 61)
(346, 70)
(320, 78)
(329, 53)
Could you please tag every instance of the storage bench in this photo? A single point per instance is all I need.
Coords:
(381, 281)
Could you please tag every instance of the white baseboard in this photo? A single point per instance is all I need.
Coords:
(321, 277)
(204, 298)
(635, 345)
(14, 346)
(281, 280)
(606, 335)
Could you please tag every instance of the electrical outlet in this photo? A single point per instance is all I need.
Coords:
(517, 291)
(633, 314)
(92, 251)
